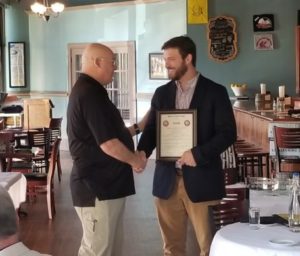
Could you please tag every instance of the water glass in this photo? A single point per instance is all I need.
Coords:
(254, 217)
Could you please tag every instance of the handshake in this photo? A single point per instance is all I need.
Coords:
(139, 162)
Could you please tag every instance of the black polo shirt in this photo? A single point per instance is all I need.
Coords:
(93, 119)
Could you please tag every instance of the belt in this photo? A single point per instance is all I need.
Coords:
(179, 172)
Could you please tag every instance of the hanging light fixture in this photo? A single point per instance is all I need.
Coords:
(45, 11)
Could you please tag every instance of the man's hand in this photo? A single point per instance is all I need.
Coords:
(187, 158)
(140, 162)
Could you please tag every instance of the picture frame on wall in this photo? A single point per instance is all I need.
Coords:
(222, 38)
(263, 42)
(16, 59)
(157, 68)
(263, 22)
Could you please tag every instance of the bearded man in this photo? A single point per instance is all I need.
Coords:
(183, 189)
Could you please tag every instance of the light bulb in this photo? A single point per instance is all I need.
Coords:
(38, 8)
(57, 7)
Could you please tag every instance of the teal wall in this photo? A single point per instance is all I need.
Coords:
(274, 67)
(16, 29)
(48, 41)
(150, 25)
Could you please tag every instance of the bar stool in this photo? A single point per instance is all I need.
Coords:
(251, 160)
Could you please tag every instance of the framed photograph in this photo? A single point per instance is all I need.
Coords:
(263, 42)
(176, 133)
(263, 22)
(16, 59)
(157, 69)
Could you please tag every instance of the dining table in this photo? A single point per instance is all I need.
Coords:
(15, 183)
(238, 239)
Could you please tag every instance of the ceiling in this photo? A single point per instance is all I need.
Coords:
(68, 3)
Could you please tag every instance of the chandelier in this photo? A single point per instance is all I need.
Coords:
(45, 11)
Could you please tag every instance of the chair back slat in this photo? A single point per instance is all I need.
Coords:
(287, 137)
(228, 158)
(53, 159)
(223, 214)
(40, 139)
(55, 126)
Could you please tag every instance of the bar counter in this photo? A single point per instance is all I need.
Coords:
(255, 122)
(263, 110)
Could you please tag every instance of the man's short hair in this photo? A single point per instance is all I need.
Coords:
(184, 44)
(8, 216)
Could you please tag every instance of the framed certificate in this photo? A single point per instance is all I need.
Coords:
(176, 133)
(16, 59)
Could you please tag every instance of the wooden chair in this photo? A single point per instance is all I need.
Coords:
(6, 149)
(285, 140)
(43, 184)
(2, 123)
(228, 158)
(55, 127)
(230, 169)
(38, 140)
(224, 213)
(251, 160)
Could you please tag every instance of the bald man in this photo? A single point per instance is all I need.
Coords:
(103, 155)
(10, 244)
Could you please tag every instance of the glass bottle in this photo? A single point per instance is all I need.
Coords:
(294, 207)
(274, 105)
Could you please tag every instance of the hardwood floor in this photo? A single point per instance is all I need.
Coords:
(61, 236)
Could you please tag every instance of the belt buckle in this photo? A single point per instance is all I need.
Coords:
(179, 172)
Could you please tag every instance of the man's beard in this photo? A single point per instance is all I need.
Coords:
(179, 73)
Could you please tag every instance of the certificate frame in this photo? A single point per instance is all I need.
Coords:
(176, 132)
(16, 59)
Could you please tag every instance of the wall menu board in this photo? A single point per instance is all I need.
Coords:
(222, 38)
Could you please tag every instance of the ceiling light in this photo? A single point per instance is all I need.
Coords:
(45, 11)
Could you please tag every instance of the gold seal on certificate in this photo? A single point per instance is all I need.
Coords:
(176, 133)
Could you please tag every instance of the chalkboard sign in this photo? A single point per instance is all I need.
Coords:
(222, 38)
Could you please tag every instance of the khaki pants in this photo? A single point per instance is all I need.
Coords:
(173, 215)
(102, 228)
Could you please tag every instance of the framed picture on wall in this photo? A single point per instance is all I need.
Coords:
(16, 59)
(263, 42)
(157, 69)
(263, 22)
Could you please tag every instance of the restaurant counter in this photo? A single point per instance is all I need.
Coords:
(255, 122)
(263, 110)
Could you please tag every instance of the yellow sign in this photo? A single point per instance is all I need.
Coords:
(197, 12)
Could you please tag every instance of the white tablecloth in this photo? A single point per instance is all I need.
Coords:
(15, 183)
(239, 240)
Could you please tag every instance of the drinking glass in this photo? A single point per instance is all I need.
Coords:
(254, 217)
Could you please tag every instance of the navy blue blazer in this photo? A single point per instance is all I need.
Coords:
(216, 130)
